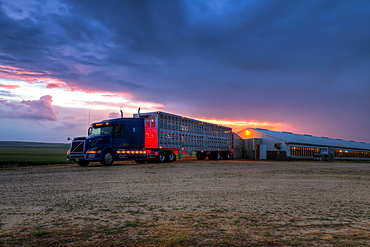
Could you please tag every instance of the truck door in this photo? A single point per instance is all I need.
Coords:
(118, 138)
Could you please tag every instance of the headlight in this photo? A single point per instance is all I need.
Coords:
(91, 153)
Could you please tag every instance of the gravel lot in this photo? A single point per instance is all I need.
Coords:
(223, 203)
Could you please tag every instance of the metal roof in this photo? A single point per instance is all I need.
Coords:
(314, 140)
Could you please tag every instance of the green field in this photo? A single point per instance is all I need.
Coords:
(14, 153)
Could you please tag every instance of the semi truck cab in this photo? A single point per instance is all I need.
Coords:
(108, 139)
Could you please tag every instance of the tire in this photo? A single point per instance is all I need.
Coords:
(201, 156)
(215, 155)
(161, 157)
(83, 163)
(171, 157)
(108, 158)
(226, 155)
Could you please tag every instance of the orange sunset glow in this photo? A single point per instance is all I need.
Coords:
(239, 125)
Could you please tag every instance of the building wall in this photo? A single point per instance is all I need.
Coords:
(277, 149)
(255, 139)
(252, 148)
(239, 148)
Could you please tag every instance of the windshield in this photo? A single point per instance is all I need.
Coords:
(106, 130)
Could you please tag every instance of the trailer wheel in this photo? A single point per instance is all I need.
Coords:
(171, 157)
(161, 157)
(226, 155)
(108, 158)
(83, 163)
(201, 156)
(215, 155)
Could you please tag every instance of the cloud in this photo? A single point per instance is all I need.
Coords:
(9, 86)
(114, 115)
(29, 109)
(139, 47)
(6, 93)
(55, 85)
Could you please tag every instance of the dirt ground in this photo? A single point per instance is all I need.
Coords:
(187, 203)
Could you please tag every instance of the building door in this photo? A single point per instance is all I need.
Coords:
(263, 152)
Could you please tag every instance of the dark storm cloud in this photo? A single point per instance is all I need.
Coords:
(266, 60)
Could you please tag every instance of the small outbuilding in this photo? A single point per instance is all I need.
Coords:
(274, 145)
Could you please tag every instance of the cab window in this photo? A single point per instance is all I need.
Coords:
(118, 130)
(95, 131)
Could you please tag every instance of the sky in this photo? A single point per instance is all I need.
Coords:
(285, 65)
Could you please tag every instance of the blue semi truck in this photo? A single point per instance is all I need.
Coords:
(151, 137)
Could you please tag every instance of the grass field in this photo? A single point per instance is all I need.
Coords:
(14, 153)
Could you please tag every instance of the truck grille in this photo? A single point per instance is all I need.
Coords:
(78, 147)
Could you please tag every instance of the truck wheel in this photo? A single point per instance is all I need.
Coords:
(83, 163)
(161, 157)
(107, 159)
(171, 157)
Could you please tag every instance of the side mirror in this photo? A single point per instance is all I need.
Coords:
(68, 139)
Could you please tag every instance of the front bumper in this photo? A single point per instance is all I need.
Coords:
(78, 157)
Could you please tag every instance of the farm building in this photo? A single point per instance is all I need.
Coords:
(274, 145)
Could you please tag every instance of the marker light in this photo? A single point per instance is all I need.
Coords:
(131, 152)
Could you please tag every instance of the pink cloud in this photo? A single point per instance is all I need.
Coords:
(54, 85)
(18, 72)
(29, 109)
(9, 86)
(9, 72)
(110, 95)
(114, 115)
